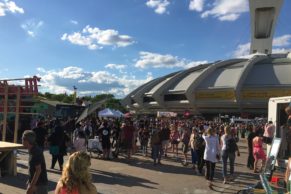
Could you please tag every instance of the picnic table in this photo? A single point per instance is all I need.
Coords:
(8, 158)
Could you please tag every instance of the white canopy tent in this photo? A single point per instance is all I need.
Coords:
(107, 112)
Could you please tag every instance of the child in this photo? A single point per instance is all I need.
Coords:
(258, 152)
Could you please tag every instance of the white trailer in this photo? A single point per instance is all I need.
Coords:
(276, 114)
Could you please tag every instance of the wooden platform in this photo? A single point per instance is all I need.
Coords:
(8, 158)
(6, 146)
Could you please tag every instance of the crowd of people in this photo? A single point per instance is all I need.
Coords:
(208, 142)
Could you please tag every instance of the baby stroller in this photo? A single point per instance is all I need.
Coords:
(95, 147)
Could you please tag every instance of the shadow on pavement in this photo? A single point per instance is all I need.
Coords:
(20, 180)
(165, 168)
(110, 178)
(241, 181)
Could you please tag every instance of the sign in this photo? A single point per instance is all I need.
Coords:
(220, 95)
(264, 94)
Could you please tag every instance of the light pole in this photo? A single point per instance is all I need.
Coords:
(75, 94)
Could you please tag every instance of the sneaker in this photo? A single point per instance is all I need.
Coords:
(184, 163)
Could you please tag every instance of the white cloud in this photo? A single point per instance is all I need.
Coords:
(155, 60)
(281, 50)
(88, 83)
(115, 66)
(196, 5)
(71, 72)
(224, 10)
(194, 64)
(284, 40)
(74, 22)
(280, 45)
(242, 50)
(9, 6)
(160, 6)
(32, 27)
(95, 38)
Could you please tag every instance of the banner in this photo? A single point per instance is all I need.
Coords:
(166, 114)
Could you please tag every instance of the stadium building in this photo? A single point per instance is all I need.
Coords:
(242, 85)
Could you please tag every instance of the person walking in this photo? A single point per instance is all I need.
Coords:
(175, 139)
(185, 146)
(76, 178)
(41, 134)
(258, 153)
(228, 148)
(127, 137)
(193, 139)
(200, 148)
(251, 136)
(156, 145)
(211, 153)
(58, 140)
(165, 135)
(269, 131)
(104, 131)
(144, 140)
(37, 182)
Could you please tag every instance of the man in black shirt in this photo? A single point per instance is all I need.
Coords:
(41, 134)
(165, 137)
(37, 183)
(105, 136)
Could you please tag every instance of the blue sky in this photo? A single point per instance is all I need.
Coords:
(114, 46)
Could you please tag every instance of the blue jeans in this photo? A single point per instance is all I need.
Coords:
(225, 156)
(194, 156)
(157, 152)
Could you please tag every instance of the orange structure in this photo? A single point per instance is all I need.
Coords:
(11, 98)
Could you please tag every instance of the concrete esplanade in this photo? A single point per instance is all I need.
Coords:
(242, 85)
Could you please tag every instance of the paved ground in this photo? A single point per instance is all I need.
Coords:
(140, 176)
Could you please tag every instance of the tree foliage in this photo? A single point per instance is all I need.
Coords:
(111, 101)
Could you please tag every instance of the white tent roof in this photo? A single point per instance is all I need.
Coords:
(107, 112)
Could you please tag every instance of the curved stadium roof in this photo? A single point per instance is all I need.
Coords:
(230, 86)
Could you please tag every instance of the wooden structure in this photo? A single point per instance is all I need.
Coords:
(12, 98)
(8, 158)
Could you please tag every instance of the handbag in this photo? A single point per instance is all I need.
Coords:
(54, 150)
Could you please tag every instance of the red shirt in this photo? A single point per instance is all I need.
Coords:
(128, 132)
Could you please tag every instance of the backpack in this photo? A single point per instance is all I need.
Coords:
(231, 145)
(199, 143)
(155, 139)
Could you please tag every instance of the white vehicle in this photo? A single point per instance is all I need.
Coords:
(276, 114)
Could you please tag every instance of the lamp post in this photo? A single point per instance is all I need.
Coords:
(75, 94)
